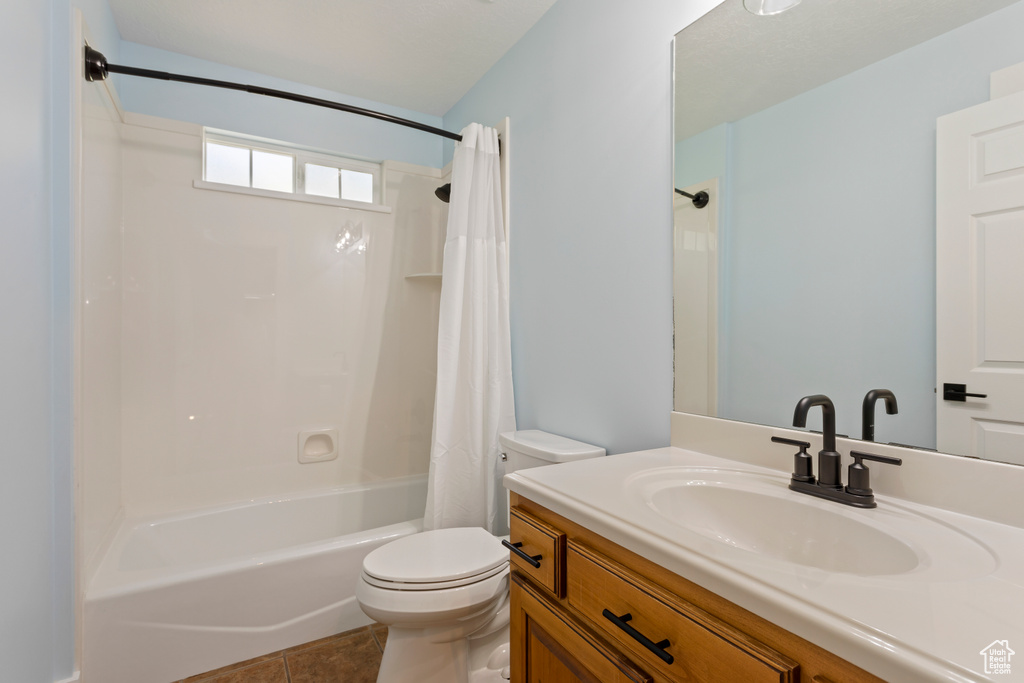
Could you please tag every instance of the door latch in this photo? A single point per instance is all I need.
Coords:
(958, 392)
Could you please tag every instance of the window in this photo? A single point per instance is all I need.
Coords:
(247, 162)
(227, 164)
(272, 171)
(340, 183)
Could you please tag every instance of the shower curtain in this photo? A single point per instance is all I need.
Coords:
(473, 400)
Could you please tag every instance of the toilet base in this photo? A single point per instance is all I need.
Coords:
(410, 657)
(489, 657)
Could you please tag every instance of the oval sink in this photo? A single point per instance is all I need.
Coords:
(785, 529)
(758, 514)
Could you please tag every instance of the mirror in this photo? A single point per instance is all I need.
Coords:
(812, 269)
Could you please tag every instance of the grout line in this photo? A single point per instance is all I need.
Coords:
(376, 641)
(287, 671)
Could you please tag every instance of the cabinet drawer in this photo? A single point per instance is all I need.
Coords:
(542, 542)
(699, 648)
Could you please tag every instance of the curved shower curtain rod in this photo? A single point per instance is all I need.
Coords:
(97, 69)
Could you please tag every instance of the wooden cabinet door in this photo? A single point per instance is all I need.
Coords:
(550, 646)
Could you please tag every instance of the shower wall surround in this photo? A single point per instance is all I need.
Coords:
(100, 309)
(248, 320)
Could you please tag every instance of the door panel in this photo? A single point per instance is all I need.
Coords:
(980, 279)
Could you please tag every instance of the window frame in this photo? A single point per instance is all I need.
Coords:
(300, 157)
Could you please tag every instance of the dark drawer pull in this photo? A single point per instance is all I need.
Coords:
(656, 648)
(514, 547)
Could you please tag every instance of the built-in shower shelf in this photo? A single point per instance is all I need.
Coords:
(428, 277)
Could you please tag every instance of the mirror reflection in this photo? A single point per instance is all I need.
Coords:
(825, 258)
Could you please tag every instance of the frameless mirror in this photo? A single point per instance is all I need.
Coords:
(812, 269)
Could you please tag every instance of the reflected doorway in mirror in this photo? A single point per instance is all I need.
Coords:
(980, 285)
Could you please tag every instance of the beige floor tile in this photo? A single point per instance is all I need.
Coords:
(354, 659)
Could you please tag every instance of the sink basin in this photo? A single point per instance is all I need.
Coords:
(785, 529)
(758, 514)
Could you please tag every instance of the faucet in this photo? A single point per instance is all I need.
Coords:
(829, 484)
(868, 411)
(828, 459)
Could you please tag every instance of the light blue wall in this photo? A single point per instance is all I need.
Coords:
(37, 600)
(589, 92)
(866, 144)
(703, 156)
(26, 398)
(36, 504)
(268, 117)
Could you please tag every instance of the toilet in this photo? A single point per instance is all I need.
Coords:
(444, 593)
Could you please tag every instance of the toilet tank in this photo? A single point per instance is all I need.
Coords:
(532, 448)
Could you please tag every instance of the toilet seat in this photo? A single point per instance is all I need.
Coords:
(436, 560)
(432, 585)
(425, 607)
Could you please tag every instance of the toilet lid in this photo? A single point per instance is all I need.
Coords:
(437, 556)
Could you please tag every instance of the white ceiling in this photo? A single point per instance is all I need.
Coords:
(423, 55)
(730, 63)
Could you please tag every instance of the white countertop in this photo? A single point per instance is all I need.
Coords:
(924, 625)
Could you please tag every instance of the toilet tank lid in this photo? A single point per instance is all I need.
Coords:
(547, 446)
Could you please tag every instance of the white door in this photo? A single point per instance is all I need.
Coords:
(695, 301)
(980, 280)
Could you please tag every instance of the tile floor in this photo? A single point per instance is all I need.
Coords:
(350, 657)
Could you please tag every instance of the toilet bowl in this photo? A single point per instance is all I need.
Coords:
(444, 593)
(440, 593)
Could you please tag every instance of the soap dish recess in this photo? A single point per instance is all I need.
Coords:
(318, 445)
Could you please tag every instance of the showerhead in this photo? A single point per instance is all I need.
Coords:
(444, 193)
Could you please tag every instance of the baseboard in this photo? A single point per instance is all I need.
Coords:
(74, 679)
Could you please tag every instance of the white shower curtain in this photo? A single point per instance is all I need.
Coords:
(473, 401)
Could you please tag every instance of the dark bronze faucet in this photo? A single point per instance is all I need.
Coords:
(829, 484)
(828, 459)
(868, 411)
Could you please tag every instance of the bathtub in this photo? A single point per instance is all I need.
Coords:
(185, 594)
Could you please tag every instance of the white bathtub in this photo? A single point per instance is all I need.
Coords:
(181, 595)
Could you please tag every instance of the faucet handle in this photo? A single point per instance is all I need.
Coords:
(804, 445)
(803, 464)
(858, 480)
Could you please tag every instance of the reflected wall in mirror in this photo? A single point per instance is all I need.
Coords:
(817, 130)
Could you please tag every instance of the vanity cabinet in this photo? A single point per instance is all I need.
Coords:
(595, 611)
